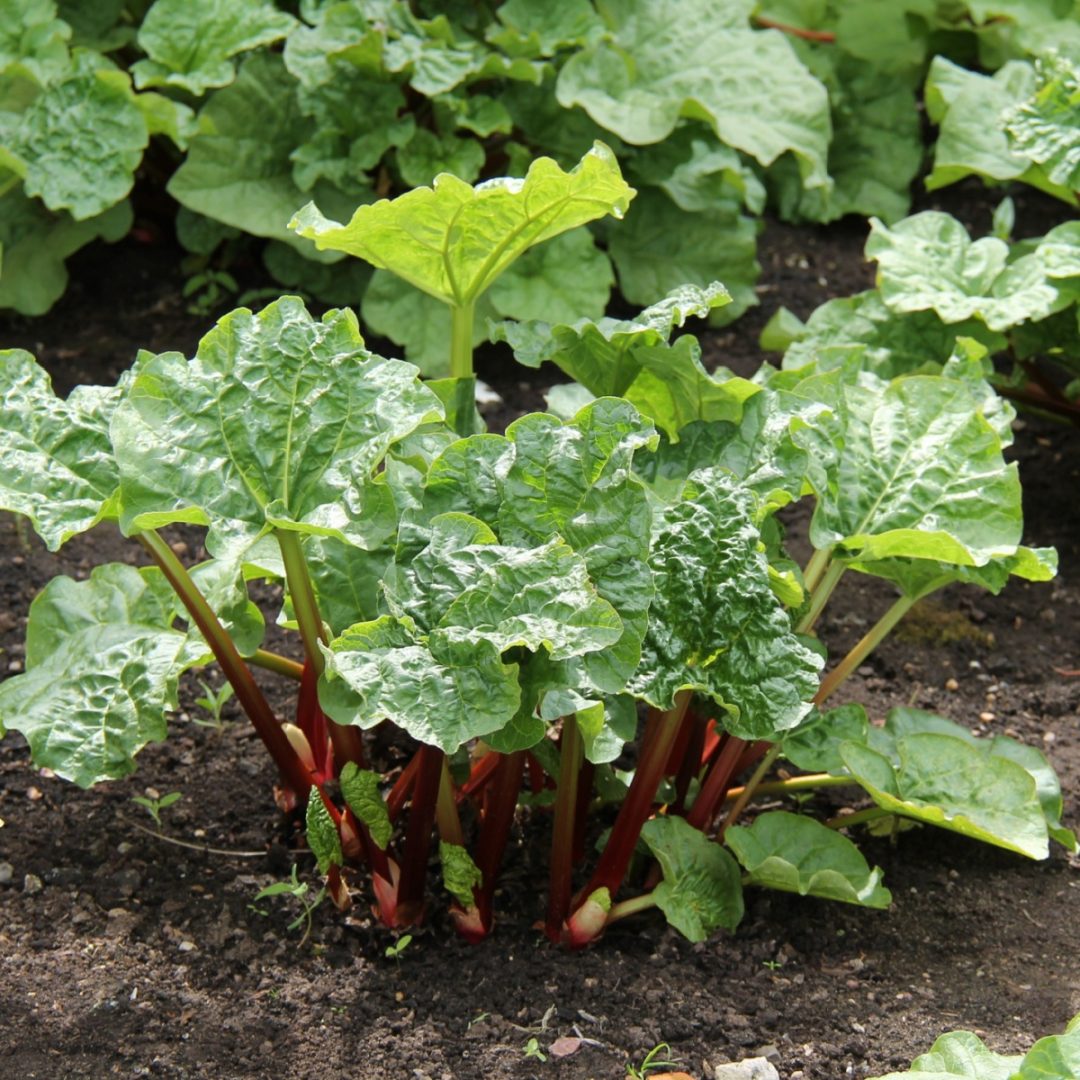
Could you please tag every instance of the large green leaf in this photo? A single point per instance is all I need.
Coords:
(1046, 128)
(929, 262)
(910, 468)
(661, 247)
(58, 461)
(815, 744)
(453, 240)
(960, 1055)
(660, 64)
(800, 855)
(81, 139)
(31, 35)
(1053, 1057)
(34, 244)
(190, 43)
(701, 890)
(943, 780)
(442, 692)
(715, 625)
(279, 421)
(102, 664)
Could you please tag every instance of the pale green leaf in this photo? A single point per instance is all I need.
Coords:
(32, 35)
(543, 29)
(190, 43)
(322, 834)
(959, 1055)
(460, 874)
(942, 780)
(660, 64)
(1053, 1058)
(453, 240)
(701, 890)
(800, 855)
(360, 789)
(102, 665)
(1046, 127)
(58, 460)
(715, 625)
(164, 116)
(279, 421)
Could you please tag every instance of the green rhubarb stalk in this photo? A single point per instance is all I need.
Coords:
(562, 837)
(461, 349)
(819, 596)
(447, 820)
(346, 740)
(863, 648)
(817, 566)
(794, 785)
(251, 698)
(279, 665)
(860, 817)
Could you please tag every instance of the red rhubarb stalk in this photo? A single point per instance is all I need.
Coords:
(562, 835)
(418, 836)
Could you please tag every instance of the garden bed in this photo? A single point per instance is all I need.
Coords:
(123, 954)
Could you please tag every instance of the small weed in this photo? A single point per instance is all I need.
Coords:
(297, 889)
(154, 803)
(393, 952)
(655, 1059)
(213, 701)
(532, 1050)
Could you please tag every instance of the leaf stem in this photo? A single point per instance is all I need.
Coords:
(711, 796)
(819, 597)
(816, 566)
(461, 331)
(425, 798)
(251, 698)
(562, 836)
(810, 782)
(863, 648)
(764, 765)
(860, 817)
(279, 665)
(632, 906)
(446, 812)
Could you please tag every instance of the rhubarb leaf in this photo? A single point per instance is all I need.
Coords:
(815, 744)
(58, 460)
(715, 625)
(1053, 1057)
(910, 468)
(460, 874)
(102, 665)
(360, 789)
(942, 780)
(443, 692)
(961, 1055)
(491, 225)
(32, 36)
(1046, 128)
(701, 890)
(322, 834)
(659, 64)
(929, 262)
(190, 43)
(800, 855)
(279, 421)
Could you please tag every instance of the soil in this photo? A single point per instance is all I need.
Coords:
(125, 954)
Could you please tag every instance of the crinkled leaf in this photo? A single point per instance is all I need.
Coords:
(660, 247)
(164, 116)
(490, 225)
(81, 139)
(280, 420)
(221, 581)
(960, 1055)
(426, 155)
(1053, 1057)
(543, 29)
(660, 64)
(32, 35)
(1046, 127)
(190, 43)
(606, 726)
(34, 244)
(443, 692)
(360, 789)
(901, 722)
(928, 262)
(58, 460)
(102, 664)
(715, 625)
(815, 744)
(460, 874)
(942, 780)
(910, 468)
(800, 855)
(701, 890)
(322, 834)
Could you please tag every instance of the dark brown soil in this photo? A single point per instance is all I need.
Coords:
(122, 954)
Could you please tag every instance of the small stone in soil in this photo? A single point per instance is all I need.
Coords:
(7, 872)
(32, 885)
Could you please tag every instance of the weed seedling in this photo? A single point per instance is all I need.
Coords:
(213, 701)
(532, 1050)
(297, 889)
(154, 804)
(393, 952)
(655, 1059)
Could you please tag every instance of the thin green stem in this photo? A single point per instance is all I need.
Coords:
(820, 596)
(303, 597)
(860, 817)
(764, 766)
(817, 565)
(461, 349)
(236, 671)
(631, 907)
(811, 782)
(863, 648)
(279, 665)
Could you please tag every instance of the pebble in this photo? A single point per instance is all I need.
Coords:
(7, 872)
(186, 946)
(987, 717)
(952, 685)
(758, 1068)
(32, 885)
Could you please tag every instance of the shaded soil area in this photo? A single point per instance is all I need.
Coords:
(123, 953)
